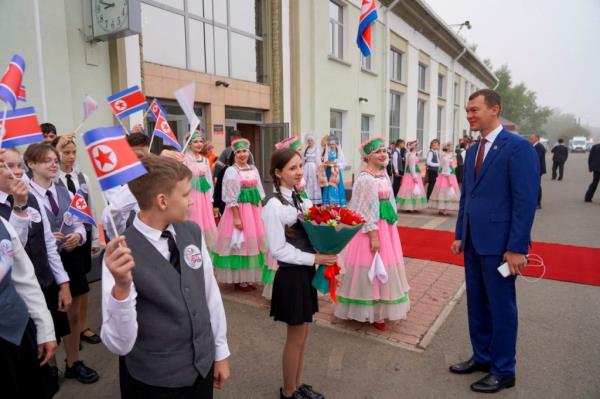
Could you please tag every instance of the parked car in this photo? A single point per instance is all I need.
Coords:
(578, 144)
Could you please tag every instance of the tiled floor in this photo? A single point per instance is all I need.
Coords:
(433, 286)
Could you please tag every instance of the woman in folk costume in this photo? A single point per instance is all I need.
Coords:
(239, 252)
(271, 265)
(311, 170)
(446, 193)
(412, 196)
(332, 181)
(374, 285)
(201, 211)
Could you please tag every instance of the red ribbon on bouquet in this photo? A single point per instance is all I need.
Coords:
(330, 274)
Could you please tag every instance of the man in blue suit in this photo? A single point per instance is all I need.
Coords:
(497, 208)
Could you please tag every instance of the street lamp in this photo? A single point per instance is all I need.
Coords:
(466, 24)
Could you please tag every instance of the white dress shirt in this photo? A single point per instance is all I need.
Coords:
(56, 266)
(20, 223)
(28, 288)
(490, 138)
(40, 194)
(62, 177)
(120, 204)
(276, 216)
(396, 161)
(119, 317)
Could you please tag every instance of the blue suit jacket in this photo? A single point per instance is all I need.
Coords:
(499, 205)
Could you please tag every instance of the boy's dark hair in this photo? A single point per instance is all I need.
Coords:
(399, 141)
(36, 152)
(490, 97)
(163, 174)
(48, 128)
(137, 140)
(433, 142)
(561, 140)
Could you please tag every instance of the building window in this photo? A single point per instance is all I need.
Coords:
(466, 92)
(395, 107)
(421, 105)
(365, 127)
(440, 121)
(396, 65)
(456, 94)
(335, 124)
(455, 122)
(223, 37)
(441, 85)
(336, 30)
(422, 77)
(367, 62)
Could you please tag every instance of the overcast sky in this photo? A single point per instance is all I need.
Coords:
(553, 46)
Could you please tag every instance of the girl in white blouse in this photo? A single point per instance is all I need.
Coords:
(294, 300)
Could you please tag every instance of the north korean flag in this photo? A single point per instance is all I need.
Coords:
(10, 84)
(22, 127)
(113, 160)
(156, 109)
(79, 208)
(127, 101)
(22, 94)
(163, 130)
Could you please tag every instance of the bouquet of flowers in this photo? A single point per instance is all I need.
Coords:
(330, 229)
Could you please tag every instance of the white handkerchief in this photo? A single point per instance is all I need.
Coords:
(452, 194)
(237, 239)
(377, 269)
(416, 191)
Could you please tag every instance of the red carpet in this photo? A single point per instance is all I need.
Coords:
(563, 262)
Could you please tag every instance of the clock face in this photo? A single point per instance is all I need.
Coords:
(110, 15)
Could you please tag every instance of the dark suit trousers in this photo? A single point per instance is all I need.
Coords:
(134, 389)
(560, 165)
(592, 188)
(431, 178)
(396, 184)
(492, 312)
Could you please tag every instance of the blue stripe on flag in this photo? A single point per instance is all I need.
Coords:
(22, 140)
(91, 137)
(123, 176)
(84, 217)
(140, 107)
(364, 23)
(122, 93)
(8, 95)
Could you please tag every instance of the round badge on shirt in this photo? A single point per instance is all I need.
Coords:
(6, 248)
(34, 215)
(193, 256)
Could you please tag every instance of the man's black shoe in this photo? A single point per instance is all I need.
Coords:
(307, 392)
(469, 367)
(491, 384)
(81, 372)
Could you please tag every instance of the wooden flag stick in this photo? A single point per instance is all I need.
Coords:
(127, 132)
(187, 142)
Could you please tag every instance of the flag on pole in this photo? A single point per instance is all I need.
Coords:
(185, 97)
(163, 130)
(156, 109)
(113, 160)
(22, 94)
(11, 81)
(22, 127)
(368, 15)
(89, 106)
(127, 102)
(80, 209)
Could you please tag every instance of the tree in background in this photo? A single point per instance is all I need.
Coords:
(563, 125)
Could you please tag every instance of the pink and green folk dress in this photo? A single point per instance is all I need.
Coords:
(241, 188)
(359, 297)
(446, 192)
(412, 195)
(201, 210)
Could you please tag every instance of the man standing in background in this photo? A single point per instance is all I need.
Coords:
(594, 166)
(541, 152)
(560, 153)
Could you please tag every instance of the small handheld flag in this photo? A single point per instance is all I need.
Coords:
(22, 94)
(127, 102)
(368, 15)
(79, 208)
(164, 131)
(113, 160)
(10, 84)
(156, 109)
(22, 127)
(89, 106)
(185, 97)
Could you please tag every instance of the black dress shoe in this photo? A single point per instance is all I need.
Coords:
(491, 384)
(468, 367)
(307, 392)
(81, 373)
(90, 339)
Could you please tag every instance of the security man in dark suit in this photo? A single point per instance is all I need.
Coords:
(594, 166)
(560, 153)
(541, 152)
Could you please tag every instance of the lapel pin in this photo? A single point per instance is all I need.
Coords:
(495, 147)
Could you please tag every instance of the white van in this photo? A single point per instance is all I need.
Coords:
(578, 144)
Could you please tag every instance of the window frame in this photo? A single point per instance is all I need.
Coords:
(393, 127)
(422, 78)
(441, 86)
(339, 26)
(394, 55)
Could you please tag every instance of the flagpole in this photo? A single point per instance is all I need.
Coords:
(62, 225)
(79, 127)
(151, 141)
(187, 142)
(123, 126)
(9, 170)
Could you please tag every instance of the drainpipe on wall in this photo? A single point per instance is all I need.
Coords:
(40, 59)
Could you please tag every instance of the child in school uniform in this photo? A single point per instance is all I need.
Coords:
(294, 299)
(161, 307)
(17, 203)
(43, 160)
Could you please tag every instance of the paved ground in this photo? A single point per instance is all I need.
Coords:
(558, 347)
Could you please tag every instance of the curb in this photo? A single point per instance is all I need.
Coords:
(437, 324)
